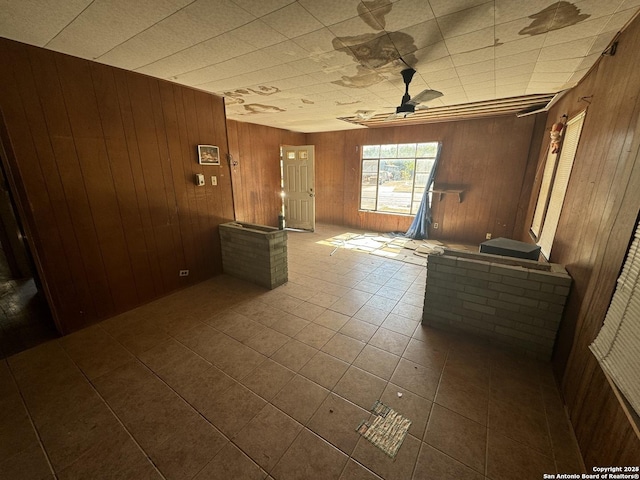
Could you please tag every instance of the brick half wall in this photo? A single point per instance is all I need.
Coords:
(256, 253)
(513, 303)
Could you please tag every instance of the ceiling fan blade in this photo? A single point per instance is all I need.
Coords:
(425, 96)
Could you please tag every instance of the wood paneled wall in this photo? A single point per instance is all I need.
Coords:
(256, 177)
(598, 217)
(103, 163)
(486, 157)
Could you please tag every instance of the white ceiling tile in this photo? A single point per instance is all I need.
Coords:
(406, 13)
(467, 21)
(577, 48)
(426, 66)
(577, 76)
(230, 83)
(482, 95)
(445, 85)
(550, 77)
(262, 7)
(597, 8)
(518, 59)
(275, 74)
(508, 10)
(306, 65)
(514, 90)
(515, 71)
(454, 96)
(513, 80)
(626, 4)
(36, 22)
(354, 30)
(525, 44)
(556, 66)
(600, 44)
(446, 7)
(433, 57)
(329, 12)
(384, 87)
(510, 31)
(258, 60)
(586, 29)
(211, 73)
(107, 23)
(475, 68)
(259, 34)
(200, 21)
(319, 41)
(543, 87)
(287, 51)
(619, 20)
(470, 41)
(292, 21)
(207, 53)
(480, 86)
(332, 75)
(474, 56)
(589, 60)
(449, 73)
(423, 35)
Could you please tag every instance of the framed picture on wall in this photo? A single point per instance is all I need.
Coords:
(208, 155)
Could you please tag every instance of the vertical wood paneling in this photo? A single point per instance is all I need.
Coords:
(598, 217)
(119, 162)
(487, 157)
(104, 163)
(144, 230)
(256, 187)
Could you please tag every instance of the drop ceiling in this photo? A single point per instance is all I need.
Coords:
(304, 65)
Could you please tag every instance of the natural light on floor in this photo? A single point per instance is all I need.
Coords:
(389, 245)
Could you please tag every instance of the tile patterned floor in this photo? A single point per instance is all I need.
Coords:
(226, 380)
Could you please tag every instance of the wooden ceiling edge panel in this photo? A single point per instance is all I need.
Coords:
(400, 122)
(498, 111)
(511, 105)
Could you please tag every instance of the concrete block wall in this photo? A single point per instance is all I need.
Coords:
(256, 253)
(513, 303)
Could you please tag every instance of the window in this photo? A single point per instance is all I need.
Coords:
(394, 176)
(549, 205)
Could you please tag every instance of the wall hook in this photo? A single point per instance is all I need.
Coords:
(611, 50)
(231, 160)
(586, 99)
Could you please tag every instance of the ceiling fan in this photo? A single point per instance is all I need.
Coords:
(408, 105)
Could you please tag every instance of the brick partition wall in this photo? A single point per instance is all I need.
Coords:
(509, 302)
(256, 253)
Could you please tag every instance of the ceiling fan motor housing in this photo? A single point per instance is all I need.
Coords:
(406, 108)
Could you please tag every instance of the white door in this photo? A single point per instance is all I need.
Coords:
(298, 180)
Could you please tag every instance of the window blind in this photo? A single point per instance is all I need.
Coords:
(543, 196)
(560, 183)
(617, 346)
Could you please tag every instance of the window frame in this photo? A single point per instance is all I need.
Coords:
(551, 199)
(416, 192)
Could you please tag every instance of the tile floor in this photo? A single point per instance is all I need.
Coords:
(226, 380)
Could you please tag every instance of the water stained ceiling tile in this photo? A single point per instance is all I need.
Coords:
(304, 64)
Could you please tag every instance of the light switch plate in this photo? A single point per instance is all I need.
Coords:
(214, 180)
